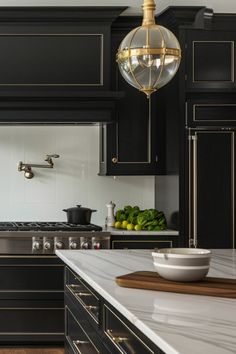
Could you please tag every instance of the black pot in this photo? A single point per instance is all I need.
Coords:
(79, 215)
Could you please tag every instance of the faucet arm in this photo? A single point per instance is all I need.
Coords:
(28, 166)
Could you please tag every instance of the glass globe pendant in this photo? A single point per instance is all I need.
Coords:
(149, 56)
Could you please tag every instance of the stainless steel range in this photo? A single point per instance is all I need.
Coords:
(45, 237)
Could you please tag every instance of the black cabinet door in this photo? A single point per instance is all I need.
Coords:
(134, 144)
(210, 60)
(211, 186)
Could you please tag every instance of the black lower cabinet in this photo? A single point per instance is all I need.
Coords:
(31, 301)
(143, 241)
(93, 326)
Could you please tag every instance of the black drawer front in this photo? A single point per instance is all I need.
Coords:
(31, 277)
(80, 335)
(80, 292)
(31, 321)
(122, 336)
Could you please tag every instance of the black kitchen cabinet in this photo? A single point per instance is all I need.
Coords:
(210, 60)
(207, 131)
(108, 333)
(31, 300)
(143, 241)
(211, 186)
(134, 143)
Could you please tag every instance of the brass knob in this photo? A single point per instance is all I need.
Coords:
(114, 160)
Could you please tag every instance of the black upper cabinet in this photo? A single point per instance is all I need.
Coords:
(210, 60)
(134, 144)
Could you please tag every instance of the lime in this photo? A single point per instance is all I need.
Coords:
(118, 225)
(130, 226)
(124, 224)
(138, 227)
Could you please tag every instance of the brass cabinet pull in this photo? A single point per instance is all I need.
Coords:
(91, 346)
(74, 286)
(114, 160)
(83, 294)
(117, 339)
(78, 342)
(90, 307)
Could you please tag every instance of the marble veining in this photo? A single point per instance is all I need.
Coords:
(176, 323)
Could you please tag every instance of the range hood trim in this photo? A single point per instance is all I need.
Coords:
(85, 108)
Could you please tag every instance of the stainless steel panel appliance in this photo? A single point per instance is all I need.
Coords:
(45, 237)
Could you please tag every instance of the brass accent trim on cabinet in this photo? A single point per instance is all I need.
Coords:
(212, 105)
(100, 83)
(232, 61)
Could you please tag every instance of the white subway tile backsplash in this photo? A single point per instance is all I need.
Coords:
(73, 180)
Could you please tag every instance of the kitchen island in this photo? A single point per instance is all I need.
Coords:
(174, 323)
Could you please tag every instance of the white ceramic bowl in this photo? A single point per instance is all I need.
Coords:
(182, 264)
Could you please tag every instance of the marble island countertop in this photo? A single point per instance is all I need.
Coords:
(176, 323)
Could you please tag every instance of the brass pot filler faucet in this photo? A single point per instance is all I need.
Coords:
(27, 167)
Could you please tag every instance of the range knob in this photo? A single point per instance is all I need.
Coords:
(97, 245)
(36, 245)
(47, 245)
(59, 245)
(86, 245)
(74, 245)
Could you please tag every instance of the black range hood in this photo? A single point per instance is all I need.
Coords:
(55, 65)
(83, 108)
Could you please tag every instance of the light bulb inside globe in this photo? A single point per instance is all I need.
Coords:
(149, 56)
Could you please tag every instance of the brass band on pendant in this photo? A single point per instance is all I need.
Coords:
(132, 52)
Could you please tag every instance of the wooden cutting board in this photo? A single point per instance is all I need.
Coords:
(220, 287)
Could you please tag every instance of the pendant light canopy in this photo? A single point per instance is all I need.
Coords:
(149, 56)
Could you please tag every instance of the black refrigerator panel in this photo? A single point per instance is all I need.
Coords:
(211, 192)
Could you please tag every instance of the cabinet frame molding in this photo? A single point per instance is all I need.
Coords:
(232, 62)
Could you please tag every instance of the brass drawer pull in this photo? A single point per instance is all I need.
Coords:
(83, 294)
(90, 307)
(74, 286)
(116, 339)
(91, 347)
(78, 342)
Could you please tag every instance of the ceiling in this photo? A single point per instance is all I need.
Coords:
(217, 5)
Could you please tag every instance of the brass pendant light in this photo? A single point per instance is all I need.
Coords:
(149, 56)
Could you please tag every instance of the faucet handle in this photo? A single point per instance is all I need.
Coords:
(55, 156)
(50, 157)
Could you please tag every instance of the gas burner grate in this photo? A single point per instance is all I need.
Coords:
(7, 226)
(46, 226)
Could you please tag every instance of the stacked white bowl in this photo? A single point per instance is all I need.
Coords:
(182, 264)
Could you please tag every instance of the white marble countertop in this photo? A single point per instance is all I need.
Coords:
(176, 323)
(167, 232)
